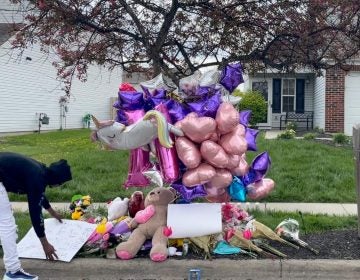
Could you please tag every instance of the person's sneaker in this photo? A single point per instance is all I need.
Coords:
(20, 275)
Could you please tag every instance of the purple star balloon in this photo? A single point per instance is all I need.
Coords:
(189, 194)
(131, 101)
(245, 117)
(261, 165)
(206, 107)
(177, 111)
(231, 76)
(250, 136)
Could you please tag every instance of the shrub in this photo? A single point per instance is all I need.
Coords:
(319, 130)
(254, 101)
(291, 125)
(287, 134)
(309, 136)
(340, 138)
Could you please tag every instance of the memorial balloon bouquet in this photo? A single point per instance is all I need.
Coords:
(198, 137)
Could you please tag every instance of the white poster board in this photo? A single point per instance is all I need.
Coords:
(193, 220)
(66, 237)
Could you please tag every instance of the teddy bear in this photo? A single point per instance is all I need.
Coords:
(150, 223)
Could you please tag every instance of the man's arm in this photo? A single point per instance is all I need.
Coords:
(46, 205)
(35, 199)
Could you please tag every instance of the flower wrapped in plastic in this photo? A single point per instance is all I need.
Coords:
(289, 230)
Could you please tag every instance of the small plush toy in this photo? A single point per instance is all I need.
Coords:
(79, 205)
(117, 208)
(150, 223)
(136, 203)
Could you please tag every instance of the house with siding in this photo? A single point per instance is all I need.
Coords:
(29, 87)
(333, 99)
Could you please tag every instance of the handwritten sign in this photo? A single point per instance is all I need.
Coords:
(66, 237)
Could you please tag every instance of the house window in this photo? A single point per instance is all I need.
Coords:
(288, 95)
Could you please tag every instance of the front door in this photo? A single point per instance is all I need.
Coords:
(262, 86)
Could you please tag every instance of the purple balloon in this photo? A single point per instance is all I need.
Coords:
(177, 111)
(131, 101)
(121, 117)
(189, 194)
(117, 104)
(206, 107)
(250, 136)
(261, 165)
(204, 91)
(231, 76)
(245, 117)
(157, 98)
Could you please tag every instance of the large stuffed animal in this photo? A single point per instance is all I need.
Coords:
(150, 223)
(117, 136)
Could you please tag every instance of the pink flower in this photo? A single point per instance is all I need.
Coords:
(247, 234)
(167, 231)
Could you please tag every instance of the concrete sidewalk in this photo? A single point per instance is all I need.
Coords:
(338, 209)
(173, 269)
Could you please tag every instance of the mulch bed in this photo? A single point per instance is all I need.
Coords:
(337, 244)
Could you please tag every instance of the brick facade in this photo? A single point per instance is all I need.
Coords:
(334, 98)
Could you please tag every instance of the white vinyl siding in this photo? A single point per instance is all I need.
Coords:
(29, 87)
(352, 101)
(319, 101)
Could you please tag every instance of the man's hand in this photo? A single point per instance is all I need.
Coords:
(55, 214)
(48, 249)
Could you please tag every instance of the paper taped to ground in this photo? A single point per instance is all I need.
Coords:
(66, 237)
(193, 220)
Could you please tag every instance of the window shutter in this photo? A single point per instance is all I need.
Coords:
(300, 95)
(276, 102)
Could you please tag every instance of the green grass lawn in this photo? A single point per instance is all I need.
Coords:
(304, 171)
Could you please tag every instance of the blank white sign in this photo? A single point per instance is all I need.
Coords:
(193, 220)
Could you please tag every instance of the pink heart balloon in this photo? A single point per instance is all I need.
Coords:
(242, 168)
(234, 161)
(227, 118)
(222, 179)
(199, 175)
(188, 153)
(214, 191)
(214, 154)
(234, 142)
(197, 129)
(260, 189)
(224, 197)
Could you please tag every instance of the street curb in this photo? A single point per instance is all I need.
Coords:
(96, 268)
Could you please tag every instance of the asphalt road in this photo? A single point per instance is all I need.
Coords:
(144, 269)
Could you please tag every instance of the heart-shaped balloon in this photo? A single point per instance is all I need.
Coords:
(224, 197)
(197, 129)
(242, 168)
(214, 191)
(222, 179)
(234, 161)
(188, 153)
(260, 189)
(227, 118)
(199, 175)
(234, 142)
(214, 154)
